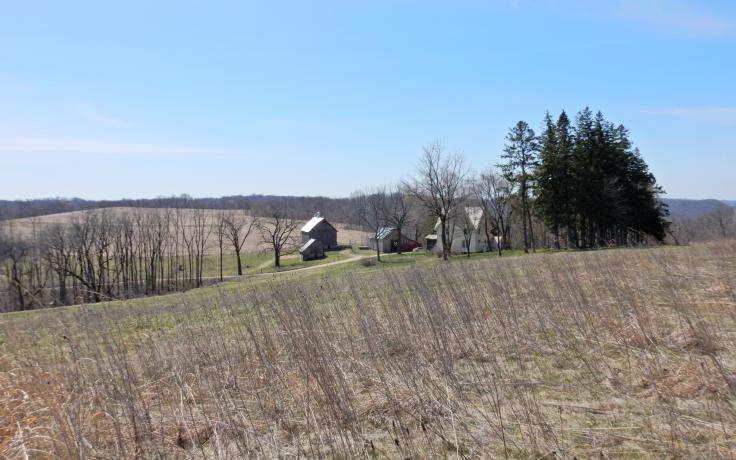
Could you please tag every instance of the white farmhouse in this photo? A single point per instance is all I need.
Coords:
(466, 231)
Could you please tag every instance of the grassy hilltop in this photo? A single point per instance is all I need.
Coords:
(620, 353)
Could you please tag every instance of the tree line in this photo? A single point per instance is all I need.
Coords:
(591, 187)
(299, 206)
(717, 224)
(108, 255)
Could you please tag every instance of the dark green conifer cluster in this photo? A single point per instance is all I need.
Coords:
(589, 185)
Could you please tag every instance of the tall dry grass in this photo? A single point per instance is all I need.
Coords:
(625, 353)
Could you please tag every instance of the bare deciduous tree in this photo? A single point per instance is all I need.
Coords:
(238, 227)
(399, 210)
(220, 235)
(370, 210)
(440, 186)
(202, 231)
(25, 273)
(493, 192)
(277, 231)
(58, 254)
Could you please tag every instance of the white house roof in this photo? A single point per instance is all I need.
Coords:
(475, 214)
(312, 223)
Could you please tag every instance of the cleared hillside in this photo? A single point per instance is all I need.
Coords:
(27, 226)
(606, 354)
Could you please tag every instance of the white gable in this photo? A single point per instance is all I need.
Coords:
(475, 215)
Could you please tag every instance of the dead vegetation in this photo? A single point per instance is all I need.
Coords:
(609, 354)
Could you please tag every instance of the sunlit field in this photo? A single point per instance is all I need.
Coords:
(254, 245)
(603, 354)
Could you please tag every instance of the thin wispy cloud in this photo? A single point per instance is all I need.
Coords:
(14, 146)
(676, 17)
(720, 116)
(95, 116)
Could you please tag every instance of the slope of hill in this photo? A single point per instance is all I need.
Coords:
(302, 206)
(576, 355)
(30, 225)
(692, 208)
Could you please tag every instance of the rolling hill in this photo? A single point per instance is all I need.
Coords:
(694, 208)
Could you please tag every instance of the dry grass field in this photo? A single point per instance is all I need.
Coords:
(611, 354)
(26, 226)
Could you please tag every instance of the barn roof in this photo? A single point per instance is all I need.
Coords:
(307, 245)
(384, 232)
(314, 221)
(309, 226)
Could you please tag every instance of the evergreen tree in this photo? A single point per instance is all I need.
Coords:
(582, 140)
(565, 177)
(520, 154)
(647, 214)
(549, 192)
(594, 185)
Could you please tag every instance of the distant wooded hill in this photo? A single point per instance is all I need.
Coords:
(695, 208)
(337, 208)
(302, 206)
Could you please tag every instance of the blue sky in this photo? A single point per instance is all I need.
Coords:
(146, 98)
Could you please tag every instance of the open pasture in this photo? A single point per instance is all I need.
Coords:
(607, 354)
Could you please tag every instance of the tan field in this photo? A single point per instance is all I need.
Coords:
(626, 353)
(28, 226)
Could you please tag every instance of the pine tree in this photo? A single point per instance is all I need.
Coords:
(583, 201)
(548, 184)
(565, 176)
(647, 213)
(520, 154)
(594, 185)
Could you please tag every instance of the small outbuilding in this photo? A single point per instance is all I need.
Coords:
(319, 229)
(388, 239)
(311, 250)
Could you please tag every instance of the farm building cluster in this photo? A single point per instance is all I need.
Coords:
(467, 232)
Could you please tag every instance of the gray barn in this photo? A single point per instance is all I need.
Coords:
(319, 229)
(311, 250)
